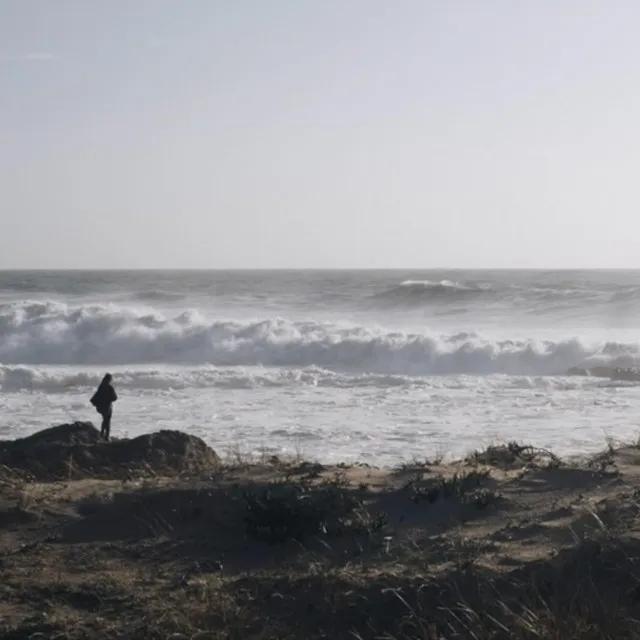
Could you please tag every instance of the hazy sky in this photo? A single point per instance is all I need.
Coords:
(319, 133)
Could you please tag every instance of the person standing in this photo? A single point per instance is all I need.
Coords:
(103, 400)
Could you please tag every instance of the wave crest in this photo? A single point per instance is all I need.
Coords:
(417, 292)
(51, 333)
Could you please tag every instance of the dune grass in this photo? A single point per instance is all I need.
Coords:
(270, 548)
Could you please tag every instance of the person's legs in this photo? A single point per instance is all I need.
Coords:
(105, 429)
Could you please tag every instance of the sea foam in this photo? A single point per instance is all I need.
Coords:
(53, 333)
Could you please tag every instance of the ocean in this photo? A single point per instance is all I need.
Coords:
(374, 366)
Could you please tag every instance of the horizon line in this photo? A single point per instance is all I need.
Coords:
(302, 269)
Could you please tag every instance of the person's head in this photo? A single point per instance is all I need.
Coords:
(107, 378)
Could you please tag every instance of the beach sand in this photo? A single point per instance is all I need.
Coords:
(510, 542)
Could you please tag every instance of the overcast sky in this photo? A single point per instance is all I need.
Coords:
(308, 133)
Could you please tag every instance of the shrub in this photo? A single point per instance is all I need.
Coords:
(279, 513)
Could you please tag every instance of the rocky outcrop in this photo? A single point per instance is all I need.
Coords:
(70, 451)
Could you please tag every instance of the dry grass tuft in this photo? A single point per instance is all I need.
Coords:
(512, 455)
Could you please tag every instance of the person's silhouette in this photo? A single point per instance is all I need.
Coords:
(103, 400)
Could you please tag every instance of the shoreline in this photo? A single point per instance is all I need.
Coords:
(159, 537)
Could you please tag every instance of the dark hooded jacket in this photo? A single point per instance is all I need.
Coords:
(104, 396)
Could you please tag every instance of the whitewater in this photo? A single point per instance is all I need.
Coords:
(375, 366)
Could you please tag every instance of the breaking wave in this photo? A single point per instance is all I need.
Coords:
(52, 333)
(421, 291)
(50, 380)
(61, 380)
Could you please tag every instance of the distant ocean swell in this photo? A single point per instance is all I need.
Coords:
(51, 333)
(412, 293)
